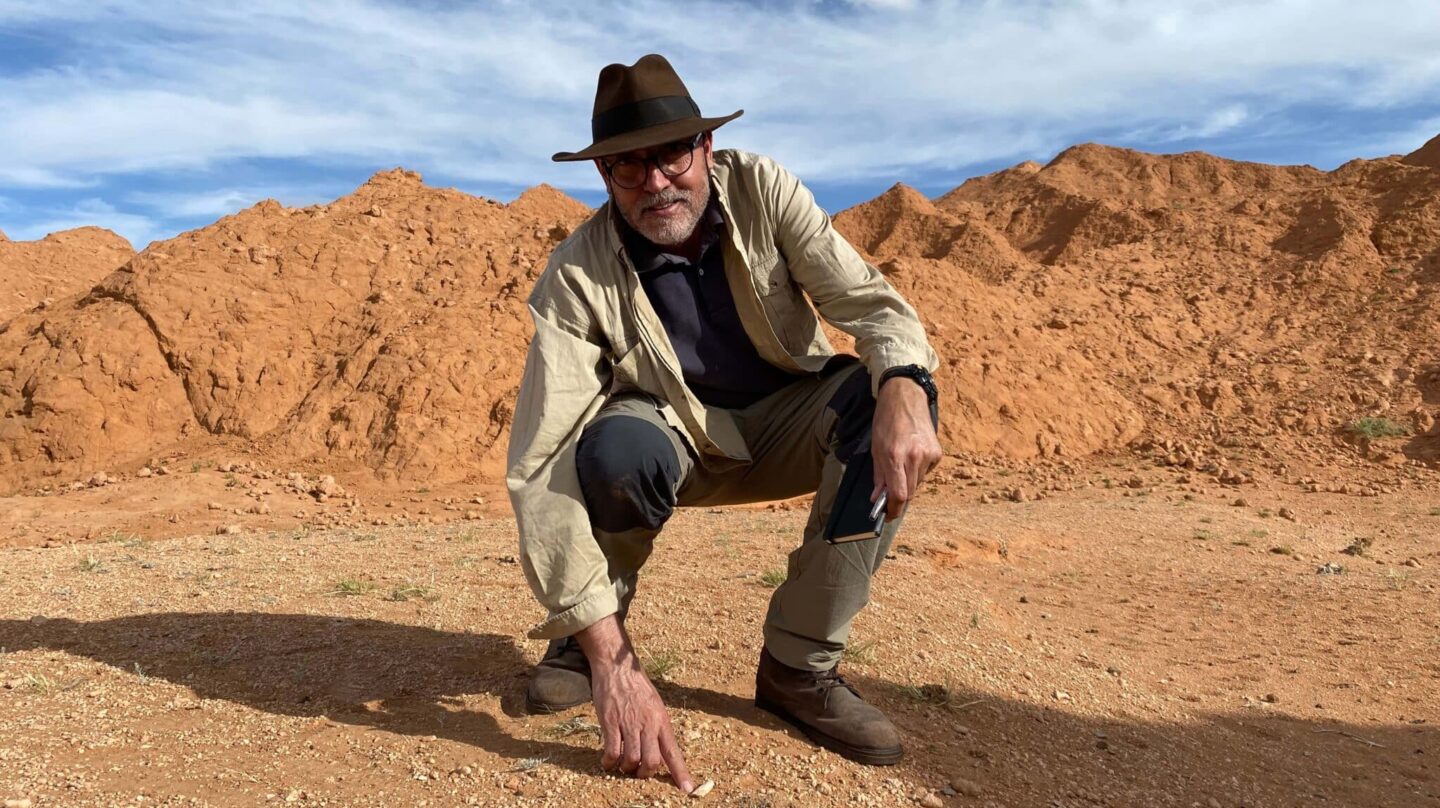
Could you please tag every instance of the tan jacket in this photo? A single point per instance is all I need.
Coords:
(596, 333)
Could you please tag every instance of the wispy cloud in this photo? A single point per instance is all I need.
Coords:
(211, 204)
(842, 92)
(140, 230)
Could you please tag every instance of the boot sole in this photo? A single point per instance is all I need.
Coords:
(870, 757)
(549, 708)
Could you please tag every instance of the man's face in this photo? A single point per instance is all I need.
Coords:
(663, 209)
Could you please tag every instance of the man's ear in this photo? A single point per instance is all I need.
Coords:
(709, 146)
(604, 175)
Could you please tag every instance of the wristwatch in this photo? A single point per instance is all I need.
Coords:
(916, 373)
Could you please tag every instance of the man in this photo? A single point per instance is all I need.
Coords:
(676, 361)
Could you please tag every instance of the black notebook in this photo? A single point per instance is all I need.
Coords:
(850, 515)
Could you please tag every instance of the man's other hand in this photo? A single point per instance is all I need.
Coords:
(903, 442)
(634, 725)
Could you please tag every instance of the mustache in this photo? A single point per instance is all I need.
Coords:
(664, 197)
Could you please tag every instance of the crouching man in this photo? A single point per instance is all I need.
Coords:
(677, 362)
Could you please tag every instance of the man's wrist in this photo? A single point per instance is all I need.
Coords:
(606, 645)
(917, 374)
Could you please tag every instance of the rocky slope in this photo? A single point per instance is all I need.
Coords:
(1193, 306)
(35, 273)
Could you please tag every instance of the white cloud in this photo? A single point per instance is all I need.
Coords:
(140, 230)
(485, 92)
(212, 204)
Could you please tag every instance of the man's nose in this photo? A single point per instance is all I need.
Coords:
(655, 179)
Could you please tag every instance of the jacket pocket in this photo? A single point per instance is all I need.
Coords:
(779, 297)
(625, 370)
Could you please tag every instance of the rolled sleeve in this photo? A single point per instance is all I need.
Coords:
(847, 291)
(566, 373)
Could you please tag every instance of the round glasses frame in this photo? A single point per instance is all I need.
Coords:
(673, 159)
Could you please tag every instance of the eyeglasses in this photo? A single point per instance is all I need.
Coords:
(673, 159)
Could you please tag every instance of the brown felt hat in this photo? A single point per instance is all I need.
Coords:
(639, 106)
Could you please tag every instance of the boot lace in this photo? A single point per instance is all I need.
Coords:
(827, 681)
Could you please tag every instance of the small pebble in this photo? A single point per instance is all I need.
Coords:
(932, 800)
(703, 789)
(969, 788)
(20, 803)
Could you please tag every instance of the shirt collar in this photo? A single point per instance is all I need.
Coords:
(648, 256)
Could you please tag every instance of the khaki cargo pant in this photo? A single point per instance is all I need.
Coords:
(635, 470)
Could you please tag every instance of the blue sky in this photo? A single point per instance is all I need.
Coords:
(154, 117)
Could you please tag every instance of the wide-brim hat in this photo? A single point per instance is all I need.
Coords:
(642, 105)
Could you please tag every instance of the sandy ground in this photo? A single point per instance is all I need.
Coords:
(1103, 646)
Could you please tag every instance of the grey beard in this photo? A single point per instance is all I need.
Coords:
(675, 231)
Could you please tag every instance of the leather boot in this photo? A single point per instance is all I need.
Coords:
(562, 678)
(828, 710)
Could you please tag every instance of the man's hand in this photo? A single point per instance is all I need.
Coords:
(903, 442)
(634, 725)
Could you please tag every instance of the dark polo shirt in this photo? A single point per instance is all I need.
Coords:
(719, 363)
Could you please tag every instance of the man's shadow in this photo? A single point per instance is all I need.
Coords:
(398, 678)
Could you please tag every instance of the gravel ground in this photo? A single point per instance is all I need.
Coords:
(1097, 647)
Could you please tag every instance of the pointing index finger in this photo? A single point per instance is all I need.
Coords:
(675, 761)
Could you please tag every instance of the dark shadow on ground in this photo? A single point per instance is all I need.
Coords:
(411, 680)
(398, 678)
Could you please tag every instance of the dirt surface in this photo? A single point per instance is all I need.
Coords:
(36, 273)
(1105, 645)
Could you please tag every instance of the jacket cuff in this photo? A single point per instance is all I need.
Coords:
(582, 615)
(897, 355)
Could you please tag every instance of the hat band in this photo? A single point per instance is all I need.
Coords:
(641, 114)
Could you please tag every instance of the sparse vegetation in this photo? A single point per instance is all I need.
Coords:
(1283, 549)
(40, 682)
(1358, 546)
(91, 563)
(773, 577)
(410, 590)
(860, 653)
(936, 695)
(578, 725)
(727, 545)
(1435, 511)
(1374, 427)
(231, 480)
(659, 665)
(1204, 535)
(351, 586)
(1396, 579)
(529, 764)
